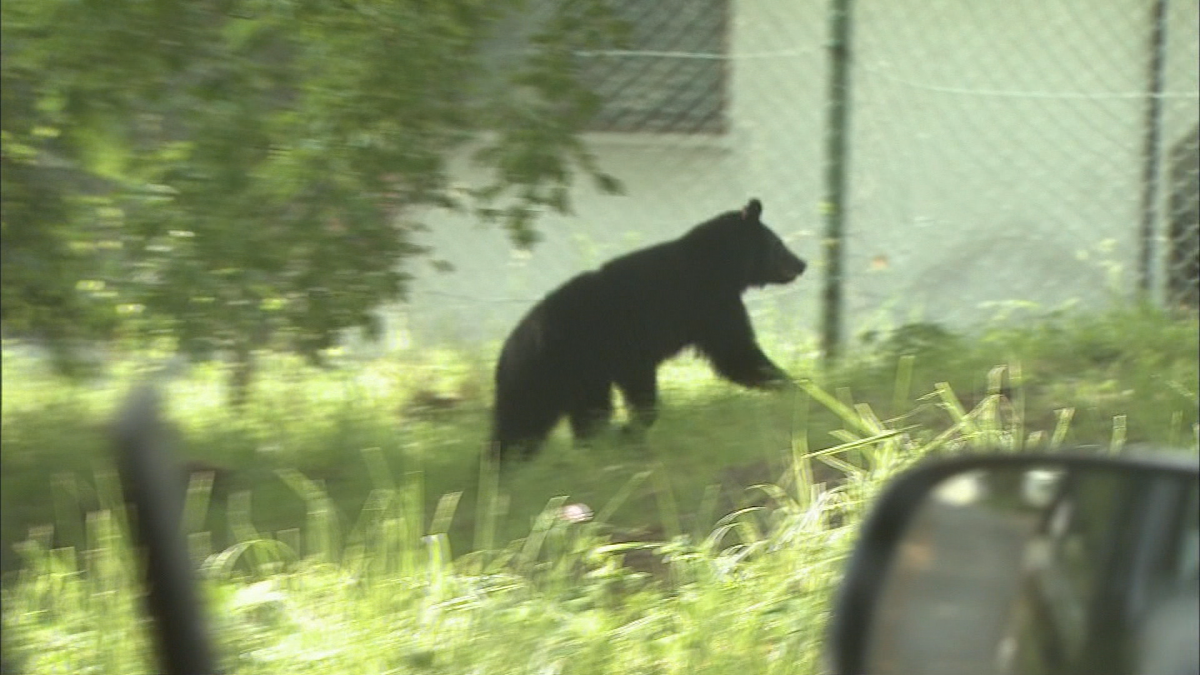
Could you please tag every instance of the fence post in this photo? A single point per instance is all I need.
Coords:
(832, 208)
(1150, 145)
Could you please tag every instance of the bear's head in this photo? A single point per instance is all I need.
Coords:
(744, 250)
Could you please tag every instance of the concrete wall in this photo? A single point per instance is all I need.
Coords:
(996, 155)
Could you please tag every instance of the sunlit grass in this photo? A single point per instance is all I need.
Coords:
(343, 530)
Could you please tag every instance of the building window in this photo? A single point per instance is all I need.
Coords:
(672, 76)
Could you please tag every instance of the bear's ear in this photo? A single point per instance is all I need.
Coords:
(752, 211)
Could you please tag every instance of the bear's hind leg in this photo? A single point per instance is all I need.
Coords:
(640, 391)
(591, 410)
(522, 428)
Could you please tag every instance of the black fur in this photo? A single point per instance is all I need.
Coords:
(616, 324)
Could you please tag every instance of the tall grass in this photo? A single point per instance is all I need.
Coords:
(341, 529)
(750, 594)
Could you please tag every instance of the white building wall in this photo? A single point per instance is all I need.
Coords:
(996, 155)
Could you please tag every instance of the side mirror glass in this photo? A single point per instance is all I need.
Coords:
(1015, 565)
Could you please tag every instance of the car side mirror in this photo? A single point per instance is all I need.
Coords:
(1027, 565)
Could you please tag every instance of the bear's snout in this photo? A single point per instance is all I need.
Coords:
(789, 268)
(800, 267)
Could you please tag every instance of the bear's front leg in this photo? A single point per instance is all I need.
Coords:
(731, 347)
(751, 368)
(773, 377)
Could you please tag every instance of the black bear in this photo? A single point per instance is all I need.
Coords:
(616, 324)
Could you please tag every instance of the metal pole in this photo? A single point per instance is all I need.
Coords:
(1150, 145)
(836, 160)
(153, 482)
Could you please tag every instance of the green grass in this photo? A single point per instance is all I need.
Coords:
(344, 530)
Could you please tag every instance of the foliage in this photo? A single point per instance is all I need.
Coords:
(241, 174)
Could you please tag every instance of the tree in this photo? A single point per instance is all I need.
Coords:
(233, 175)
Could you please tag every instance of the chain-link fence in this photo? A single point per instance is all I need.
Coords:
(1000, 154)
(1183, 215)
(1013, 152)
